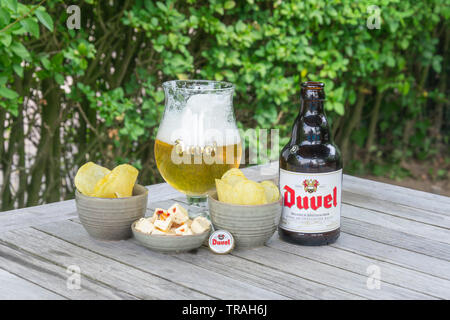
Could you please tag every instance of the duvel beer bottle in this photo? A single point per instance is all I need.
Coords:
(311, 175)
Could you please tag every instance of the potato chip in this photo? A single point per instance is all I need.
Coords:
(233, 172)
(87, 177)
(233, 176)
(248, 192)
(271, 190)
(118, 183)
(233, 180)
(224, 191)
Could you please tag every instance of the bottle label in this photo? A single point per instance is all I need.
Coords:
(312, 201)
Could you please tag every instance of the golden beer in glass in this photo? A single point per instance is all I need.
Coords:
(197, 140)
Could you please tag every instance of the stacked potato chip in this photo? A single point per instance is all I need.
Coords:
(235, 188)
(173, 221)
(97, 181)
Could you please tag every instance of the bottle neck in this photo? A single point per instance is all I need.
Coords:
(311, 107)
(311, 126)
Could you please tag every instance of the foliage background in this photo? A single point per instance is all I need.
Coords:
(69, 96)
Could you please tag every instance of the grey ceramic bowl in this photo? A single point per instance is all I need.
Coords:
(110, 219)
(250, 225)
(170, 243)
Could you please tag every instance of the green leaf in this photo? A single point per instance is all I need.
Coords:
(405, 88)
(31, 26)
(229, 5)
(6, 39)
(404, 44)
(8, 93)
(82, 49)
(83, 64)
(45, 19)
(240, 26)
(11, 4)
(57, 60)
(46, 63)
(339, 108)
(390, 61)
(161, 6)
(18, 69)
(436, 64)
(59, 79)
(309, 51)
(4, 17)
(20, 50)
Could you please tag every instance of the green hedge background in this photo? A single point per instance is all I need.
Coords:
(94, 93)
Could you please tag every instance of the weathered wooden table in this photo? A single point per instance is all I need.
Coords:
(397, 235)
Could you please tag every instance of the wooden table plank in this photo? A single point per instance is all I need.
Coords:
(54, 277)
(122, 277)
(397, 210)
(326, 274)
(290, 285)
(404, 196)
(13, 288)
(401, 257)
(395, 275)
(398, 239)
(162, 265)
(25, 218)
(397, 224)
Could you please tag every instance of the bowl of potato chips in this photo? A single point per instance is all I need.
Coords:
(109, 201)
(249, 210)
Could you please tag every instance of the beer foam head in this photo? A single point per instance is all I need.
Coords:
(203, 120)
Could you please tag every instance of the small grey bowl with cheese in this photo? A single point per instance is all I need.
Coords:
(171, 230)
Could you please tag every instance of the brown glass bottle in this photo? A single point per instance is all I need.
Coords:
(311, 175)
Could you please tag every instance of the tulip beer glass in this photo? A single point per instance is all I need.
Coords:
(197, 140)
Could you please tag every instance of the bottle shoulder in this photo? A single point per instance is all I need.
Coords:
(312, 158)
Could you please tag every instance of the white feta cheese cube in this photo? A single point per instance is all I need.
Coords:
(180, 214)
(158, 211)
(183, 230)
(164, 222)
(144, 226)
(200, 225)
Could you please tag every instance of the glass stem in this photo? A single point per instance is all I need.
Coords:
(200, 202)
(197, 201)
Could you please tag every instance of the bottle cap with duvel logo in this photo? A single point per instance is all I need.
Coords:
(221, 242)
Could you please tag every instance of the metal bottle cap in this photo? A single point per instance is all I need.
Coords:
(221, 242)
